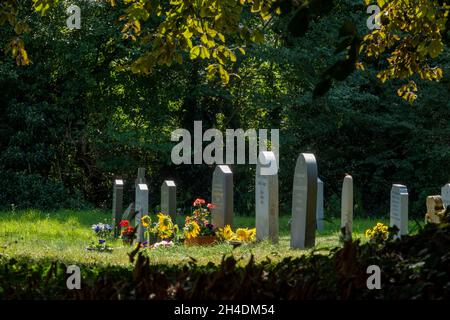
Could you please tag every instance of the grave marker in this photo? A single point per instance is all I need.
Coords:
(319, 206)
(141, 209)
(117, 205)
(169, 198)
(266, 199)
(445, 194)
(304, 201)
(399, 208)
(347, 206)
(140, 177)
(222, 197)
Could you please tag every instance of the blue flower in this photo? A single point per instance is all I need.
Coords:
(101, 241)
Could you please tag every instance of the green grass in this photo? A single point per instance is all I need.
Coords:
(64, 235)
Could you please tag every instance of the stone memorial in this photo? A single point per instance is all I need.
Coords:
(169, 198)
(399, 208)
(140, 177)
(347, 206)
(222, 197)
(129, 213)
(266, 199)
(445, 194)
(435, 209)
(141, 208)
(304, 201)
(117, 205)
(319, 206)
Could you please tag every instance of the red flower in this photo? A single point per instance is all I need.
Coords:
(130, 229)
(211, 206)
(199, 202)
(124, 223)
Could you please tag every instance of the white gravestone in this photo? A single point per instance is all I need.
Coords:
(266, 199)
(319, 208)
(141, 209)
(304, 201)
(399, 208)
(222, 197)
(169, 198)
(347, 206)
(445, 194)
(117, 205)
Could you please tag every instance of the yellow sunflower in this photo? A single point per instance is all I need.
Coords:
(164, 222)
(227, 232)
(191, 230)
(242, 234)
(146, 221)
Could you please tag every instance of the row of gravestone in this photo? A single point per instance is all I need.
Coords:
(307, 202)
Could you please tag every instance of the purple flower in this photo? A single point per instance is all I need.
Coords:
(101, 241)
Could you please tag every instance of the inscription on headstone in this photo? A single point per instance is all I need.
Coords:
(222, 197)
(304, 201)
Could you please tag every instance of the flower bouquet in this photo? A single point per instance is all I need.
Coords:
(163, 230)
(198, 230)
(102, 231)
(242, 235)
(127, 233)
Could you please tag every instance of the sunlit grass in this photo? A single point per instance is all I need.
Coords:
(64, 236)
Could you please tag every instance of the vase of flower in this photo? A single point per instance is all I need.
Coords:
(198, 229)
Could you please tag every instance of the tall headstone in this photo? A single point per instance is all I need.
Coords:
(266, 199)
(445, 194)
(399, 208)
(304, 201)
(319, 206)
(141, 208)
(222, 197)
(140, 177)
(347, 206)
(169, 198)
(117, 205)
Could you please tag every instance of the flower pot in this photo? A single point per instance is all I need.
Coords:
(201, 241)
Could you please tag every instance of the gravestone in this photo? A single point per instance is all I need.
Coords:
(129, 213)
(445, 194)
(141, 209)
(319, 206)
(435, 207)
(117, 205)
(347, 206)
(266, 199)
(169, 198)
(222, 197)
(399, 208)
(304, 201)
(140, 177)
